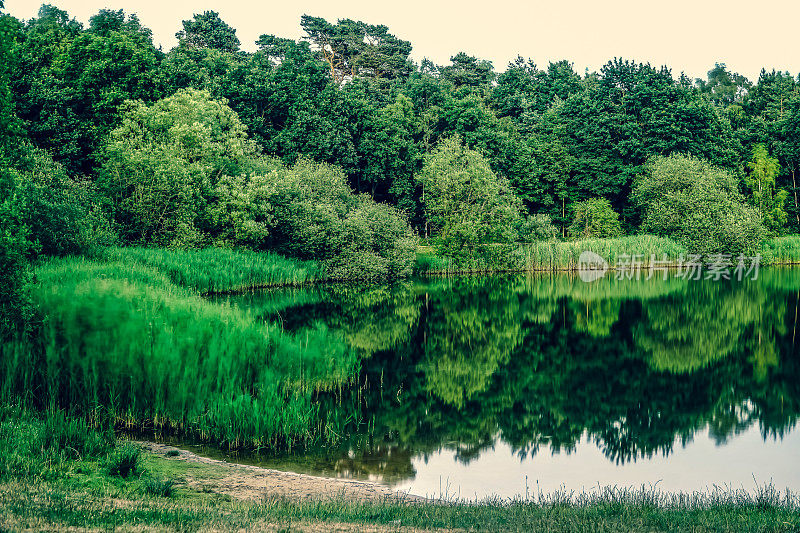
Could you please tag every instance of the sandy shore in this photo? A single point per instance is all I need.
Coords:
(256, 483)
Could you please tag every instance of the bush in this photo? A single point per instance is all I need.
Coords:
(594, 219)
(314, 215)
(124, 461)
(536, 228)
(64, 216)
(698, 205)
(14, 247)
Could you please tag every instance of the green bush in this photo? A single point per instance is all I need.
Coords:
(14, 248)
(314, 215)
(124, 461)
(535, 228)
(64, 216)
(594, 219)
(698, 205)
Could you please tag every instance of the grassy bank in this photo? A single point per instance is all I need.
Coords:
(219, 269)
(56, 473)
(556, 255)
(120, 340)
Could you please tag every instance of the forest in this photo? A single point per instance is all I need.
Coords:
(339, 148)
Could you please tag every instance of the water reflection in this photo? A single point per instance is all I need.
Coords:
(540, 364)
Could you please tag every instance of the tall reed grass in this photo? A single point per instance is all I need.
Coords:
(781, 250)
(121, 340)
(558, 255)
(219, 269)
(553, 255)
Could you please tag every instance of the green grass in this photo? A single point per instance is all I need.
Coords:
(551, 255)
(219, 269)
(119, 340)
(558, 255)
(54, 475)
(781, 250)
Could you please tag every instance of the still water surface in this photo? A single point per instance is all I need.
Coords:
(483, 386)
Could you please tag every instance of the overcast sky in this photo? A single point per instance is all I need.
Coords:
(686, 35)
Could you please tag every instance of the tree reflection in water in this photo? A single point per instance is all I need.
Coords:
(634, 365)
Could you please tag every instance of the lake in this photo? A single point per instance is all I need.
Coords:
(508, 385)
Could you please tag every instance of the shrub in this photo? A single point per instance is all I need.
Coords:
(124, 461)
(64, 216)
(535, 228)
(594, 219)
(698, 205)
(163, 163)
(14, 247)
(313, 214)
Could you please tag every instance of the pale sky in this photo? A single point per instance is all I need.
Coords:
(686, 35)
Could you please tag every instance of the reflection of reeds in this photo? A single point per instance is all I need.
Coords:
(121, 339)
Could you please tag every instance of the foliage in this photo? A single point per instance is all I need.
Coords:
(594, 218)
(63, 216)
(207, 30)
(761, 181)
(466, 203)
(698, 205)
(164, 162)
(316, 216)
(14, 249)
(121, 341)
(537, 227)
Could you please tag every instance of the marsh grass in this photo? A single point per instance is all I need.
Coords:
(220, 269)
(781, 250)
(121, 341)
(552, 255)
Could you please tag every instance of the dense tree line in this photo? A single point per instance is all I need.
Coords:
(86, 111)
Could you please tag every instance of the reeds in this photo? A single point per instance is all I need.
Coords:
(781, 250)
(220, 269)
(552, 255)
(121, 340)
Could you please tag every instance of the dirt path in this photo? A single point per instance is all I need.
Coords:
(255, 483)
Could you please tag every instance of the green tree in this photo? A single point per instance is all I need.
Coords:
(594, 218)
(466, 203)
(163, 163)
(698, 205)
(69, 82)
(761, 181)
(355, 49)
(208, 30)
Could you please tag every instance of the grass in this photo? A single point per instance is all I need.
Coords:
(121, 341)
(59, 481)
(781, 250)
(558, 255)
(552, 255)
(218, 269)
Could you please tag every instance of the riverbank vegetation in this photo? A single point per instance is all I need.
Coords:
(57, 474)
